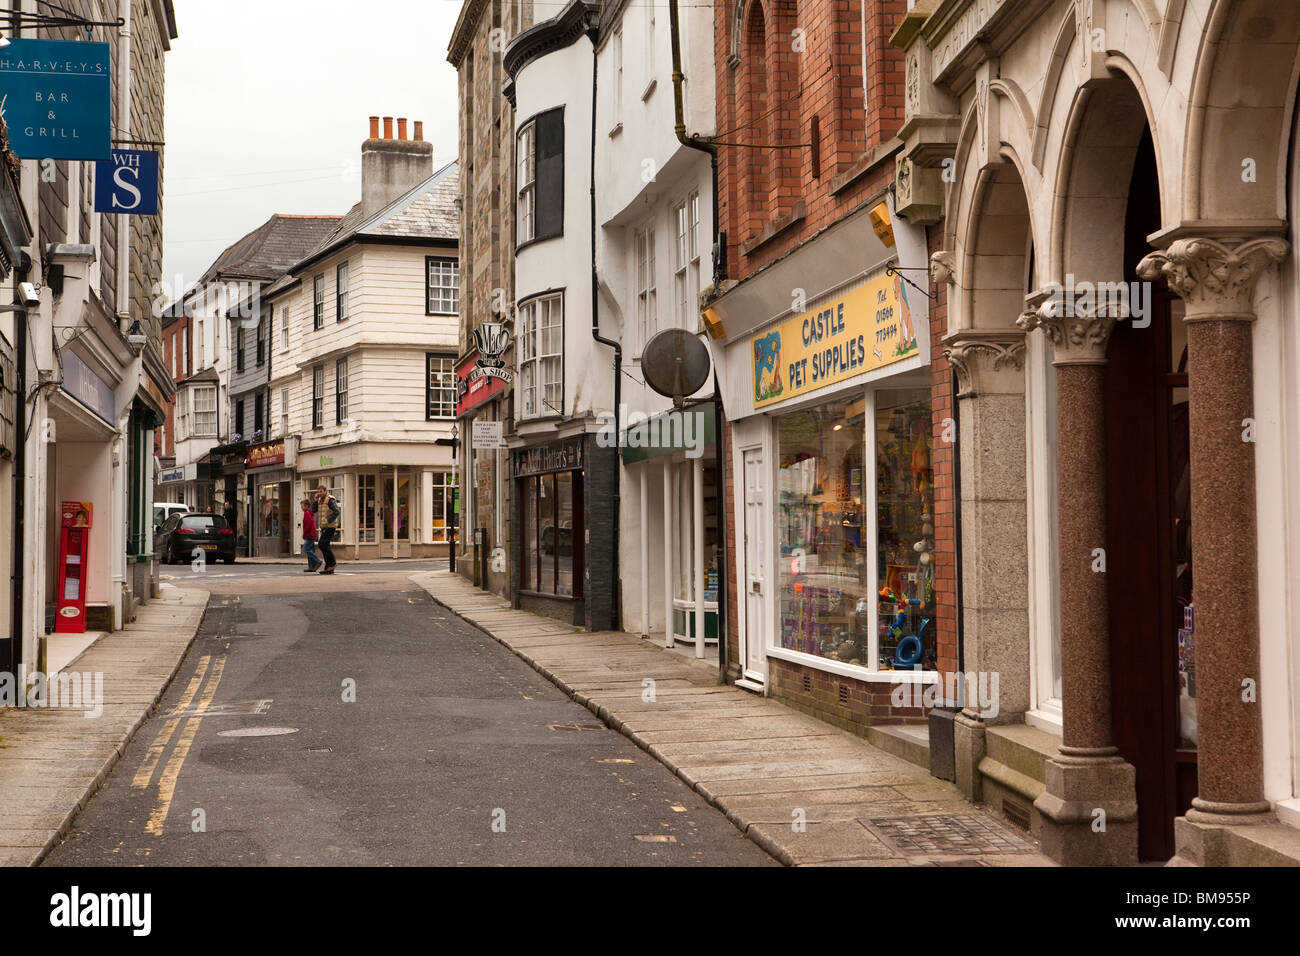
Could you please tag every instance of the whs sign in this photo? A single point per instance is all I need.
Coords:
(128, 183)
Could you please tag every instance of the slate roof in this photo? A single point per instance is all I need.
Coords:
(271, 248)
(426, 211)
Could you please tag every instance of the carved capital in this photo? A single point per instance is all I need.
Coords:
(1216, 279)
(987, 362)
(1078, 329)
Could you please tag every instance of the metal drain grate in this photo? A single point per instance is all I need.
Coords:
(236, 708)
(943, 833)
(576, 726)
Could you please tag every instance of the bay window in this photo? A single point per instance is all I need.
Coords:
(541, 369)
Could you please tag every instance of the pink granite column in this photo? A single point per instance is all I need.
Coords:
(1216, 279)
(1089, 804)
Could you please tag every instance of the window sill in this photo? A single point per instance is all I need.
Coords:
(854, 671)
(550, 597)
(615, 130)
(778, 225)
(649, 89)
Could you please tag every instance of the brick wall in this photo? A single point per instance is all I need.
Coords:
(834, 134)
(943, 461)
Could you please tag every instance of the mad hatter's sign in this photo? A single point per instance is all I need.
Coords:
(54, 95)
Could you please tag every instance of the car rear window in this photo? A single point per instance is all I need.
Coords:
(203, 522)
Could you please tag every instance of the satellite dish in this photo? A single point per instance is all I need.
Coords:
(675, 363)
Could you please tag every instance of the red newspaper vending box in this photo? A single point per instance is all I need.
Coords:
(74, 543)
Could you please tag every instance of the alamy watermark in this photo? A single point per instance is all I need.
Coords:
(1116, 299)
(34, 689)
(980, 688)
(678, 429)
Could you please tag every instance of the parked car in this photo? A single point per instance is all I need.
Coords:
(162, 510)
(191, 531)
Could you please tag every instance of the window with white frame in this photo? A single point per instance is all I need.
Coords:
(340, 391)
(185, 351)
(442, 286)
(183, 414)
(341, 292)
(525, 185)
(647, 310)
(617, 42)
(284, 412)
(284, 328)
(205, 411)
(686, 258)
(440, 386)
(318, 302)
(541, 366)
(318, 396)
(444, 504)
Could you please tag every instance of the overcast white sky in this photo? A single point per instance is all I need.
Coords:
(268, 101)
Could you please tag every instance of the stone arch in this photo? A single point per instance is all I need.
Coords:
(1105, 126)
(997, 246)
(1240, 108)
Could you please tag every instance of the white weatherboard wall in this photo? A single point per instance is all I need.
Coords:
(563, 78)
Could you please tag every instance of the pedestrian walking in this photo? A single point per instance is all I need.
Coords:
(327, 519)
(309, 538)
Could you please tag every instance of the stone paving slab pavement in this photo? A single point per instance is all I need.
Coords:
(764, 765)
(53, 760)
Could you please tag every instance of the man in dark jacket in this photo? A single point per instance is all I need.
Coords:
(327, 519)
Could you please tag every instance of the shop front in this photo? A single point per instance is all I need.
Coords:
(563, 520)
(275, 513)
(388, 511)
(231, 494)
(834, 499)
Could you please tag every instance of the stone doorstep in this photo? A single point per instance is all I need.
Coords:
(1201, 844)
(911, 742)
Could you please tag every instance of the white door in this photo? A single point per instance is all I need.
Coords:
(756, 562)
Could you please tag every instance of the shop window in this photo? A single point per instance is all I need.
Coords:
(550, 538)
(444, 501)
(905, 530)
(854, 591)
(398, 511)
(365, 509)
(270, 518)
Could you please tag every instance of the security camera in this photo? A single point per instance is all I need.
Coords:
(31, 298)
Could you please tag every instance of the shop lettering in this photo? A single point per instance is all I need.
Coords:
(824, 324)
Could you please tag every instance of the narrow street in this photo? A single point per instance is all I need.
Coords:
(453, 752)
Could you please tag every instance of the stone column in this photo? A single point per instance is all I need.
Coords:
(1089, 806)
(1216, 279)
(990, 366)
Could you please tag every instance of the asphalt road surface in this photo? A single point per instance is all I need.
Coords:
(415, 739)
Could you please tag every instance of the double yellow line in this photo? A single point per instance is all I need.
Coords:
(210, 671)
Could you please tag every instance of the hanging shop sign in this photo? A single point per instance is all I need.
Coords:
(540, 459)
(474, 388)
(87, 387)
(56, 99)
(866, 328)
(128, 183)
(267, 453)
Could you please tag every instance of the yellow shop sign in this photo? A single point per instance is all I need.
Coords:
(865, 328)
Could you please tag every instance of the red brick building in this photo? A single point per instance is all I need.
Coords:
(842, 583)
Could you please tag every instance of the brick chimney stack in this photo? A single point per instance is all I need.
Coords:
(391, 167)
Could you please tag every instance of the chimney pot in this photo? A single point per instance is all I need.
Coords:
(374, 127)
(401, 127)
(419, 131)
(388, 127)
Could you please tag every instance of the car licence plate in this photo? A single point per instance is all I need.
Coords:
(206, 547)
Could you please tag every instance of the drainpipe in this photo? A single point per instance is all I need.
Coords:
(14, 654)
(616, 615)
(719, 273)
(124, 132)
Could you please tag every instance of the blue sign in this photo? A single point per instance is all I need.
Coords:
(128, 183)
(54, 96)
